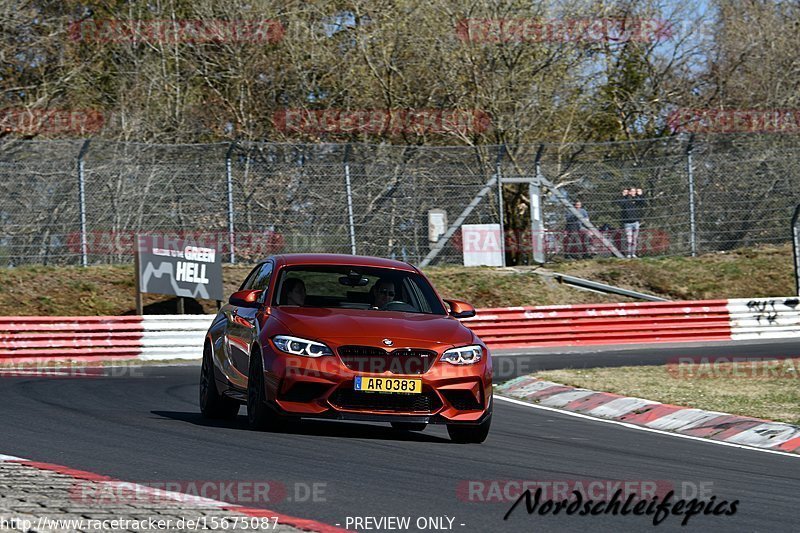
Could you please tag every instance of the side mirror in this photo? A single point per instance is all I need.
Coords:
(459, 309)
(245, 298)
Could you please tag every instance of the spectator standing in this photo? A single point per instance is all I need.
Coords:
(631, 207)
(576, 238)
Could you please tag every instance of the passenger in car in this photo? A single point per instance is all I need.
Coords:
(294, 292)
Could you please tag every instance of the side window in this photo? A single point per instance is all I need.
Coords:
(262, 280)
(415, 296)
(251, 278)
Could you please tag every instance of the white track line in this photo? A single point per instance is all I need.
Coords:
(642, 428)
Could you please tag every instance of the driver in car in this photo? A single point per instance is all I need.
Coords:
(294, 292)
(382, 293)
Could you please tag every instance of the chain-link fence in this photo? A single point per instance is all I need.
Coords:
(83, 202)
(709, 194)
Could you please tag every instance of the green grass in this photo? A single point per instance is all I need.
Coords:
(741, 389)
(760, 272)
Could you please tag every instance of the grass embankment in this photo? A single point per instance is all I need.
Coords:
(769, 390)
(109, 290)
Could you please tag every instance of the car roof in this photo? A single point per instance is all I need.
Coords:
(342, 259)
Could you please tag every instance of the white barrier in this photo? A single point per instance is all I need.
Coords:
(174, 336)
(764, 318)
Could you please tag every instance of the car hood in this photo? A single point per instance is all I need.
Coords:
(356, 326)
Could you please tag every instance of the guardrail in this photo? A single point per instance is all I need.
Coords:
(764, 318)
(157, 337)
(70, 337)
(604, 288)
(174, 336)
(164, 337)
(570, 325)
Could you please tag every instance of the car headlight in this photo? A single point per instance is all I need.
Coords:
(466, 355)
(298, 346)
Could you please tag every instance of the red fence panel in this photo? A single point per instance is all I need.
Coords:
(574, 325)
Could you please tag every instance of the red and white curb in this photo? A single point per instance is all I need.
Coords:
(189, 499)
(698, 423)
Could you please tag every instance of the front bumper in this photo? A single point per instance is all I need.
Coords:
(323, 388)
(413, 419)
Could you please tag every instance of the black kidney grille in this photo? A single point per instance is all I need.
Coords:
(377, 360)
(355, 351)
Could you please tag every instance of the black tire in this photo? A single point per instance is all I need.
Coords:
(259, 415)
(212, 403)
(410, 426)
(470, 434)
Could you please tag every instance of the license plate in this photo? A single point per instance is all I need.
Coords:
(393, 385)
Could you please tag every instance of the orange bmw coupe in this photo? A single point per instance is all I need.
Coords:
(346, 337)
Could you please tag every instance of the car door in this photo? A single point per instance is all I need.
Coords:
(242, 328)
(230, 312)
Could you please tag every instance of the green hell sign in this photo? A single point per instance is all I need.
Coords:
(178, 267)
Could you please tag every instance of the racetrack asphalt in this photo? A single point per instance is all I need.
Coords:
(513, 362)
(142, 424)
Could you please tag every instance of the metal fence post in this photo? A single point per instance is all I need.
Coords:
(349, 199)
(229, 178)
(500, 204)
(82, 203)
(796, 248)
(690, 173)
(537, 218)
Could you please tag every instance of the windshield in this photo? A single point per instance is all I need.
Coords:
(346, 287)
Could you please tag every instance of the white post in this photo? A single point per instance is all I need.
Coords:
(349, 199)
(82, 204)
(229, 179)
(690, 172)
